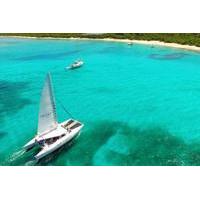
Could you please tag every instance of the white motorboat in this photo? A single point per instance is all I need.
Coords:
(51, 135)
(76, 64)
(130, 43)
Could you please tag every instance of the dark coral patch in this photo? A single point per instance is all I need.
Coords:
(49, 56)
(11, 99)
(172, 56)
(146, 147)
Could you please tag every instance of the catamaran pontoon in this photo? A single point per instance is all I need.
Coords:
(51, 135)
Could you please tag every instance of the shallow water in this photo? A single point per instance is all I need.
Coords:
(140, 105)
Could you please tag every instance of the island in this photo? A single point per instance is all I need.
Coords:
(190, 41)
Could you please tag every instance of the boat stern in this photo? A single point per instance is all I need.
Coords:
(30, 144)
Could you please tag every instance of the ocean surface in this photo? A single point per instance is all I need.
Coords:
(140, 104)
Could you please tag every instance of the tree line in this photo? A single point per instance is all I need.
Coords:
(181, 38)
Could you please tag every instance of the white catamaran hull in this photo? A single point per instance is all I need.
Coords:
(53, 147)
(30, 144)
(66, 129)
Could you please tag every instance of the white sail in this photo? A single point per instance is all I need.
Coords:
(47, 114)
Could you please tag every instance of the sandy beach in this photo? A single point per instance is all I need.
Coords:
(152, 42)
(146, 42)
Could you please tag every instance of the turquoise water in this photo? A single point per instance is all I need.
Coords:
(140, 104)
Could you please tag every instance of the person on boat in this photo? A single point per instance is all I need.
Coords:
(68, 129)
(41, 142)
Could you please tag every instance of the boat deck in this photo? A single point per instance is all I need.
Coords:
(62, 128)
(71, 124)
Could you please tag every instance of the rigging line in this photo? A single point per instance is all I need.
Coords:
(65, 109)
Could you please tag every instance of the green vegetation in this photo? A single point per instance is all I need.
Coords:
(181, 38)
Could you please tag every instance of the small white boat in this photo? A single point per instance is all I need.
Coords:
(130, 43)
(51, 135)
(76, 64)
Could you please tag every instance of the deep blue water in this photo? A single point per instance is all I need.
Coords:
(140, 104)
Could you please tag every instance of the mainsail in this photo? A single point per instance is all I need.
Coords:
(47, 114)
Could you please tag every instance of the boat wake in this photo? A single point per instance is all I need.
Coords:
(16, 155)
(31, 163)
(20, 158)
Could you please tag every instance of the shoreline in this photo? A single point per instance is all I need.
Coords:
(145, 42)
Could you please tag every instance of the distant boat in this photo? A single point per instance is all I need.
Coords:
(76, 64)
(51, 135)
(130, 43)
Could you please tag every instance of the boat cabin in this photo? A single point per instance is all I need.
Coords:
(54, 139)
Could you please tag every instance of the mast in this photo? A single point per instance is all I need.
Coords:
(47, 120)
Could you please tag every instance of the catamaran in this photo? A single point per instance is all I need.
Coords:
(51, 135)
